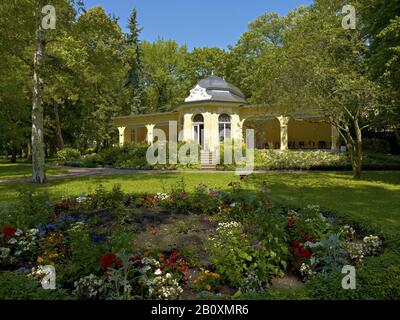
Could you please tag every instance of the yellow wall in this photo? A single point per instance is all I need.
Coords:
(267, 132)
(141, 134)
(306, 131)
(164, 128)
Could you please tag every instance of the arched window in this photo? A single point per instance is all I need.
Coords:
(224, 127)
(198, 129)
(198, 118)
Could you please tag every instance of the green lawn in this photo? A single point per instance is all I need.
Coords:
(374, 199)
(21, 170)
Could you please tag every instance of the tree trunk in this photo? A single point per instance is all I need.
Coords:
(14, 152)
(38, 155)
(357, 156)
(59, 136)
(29, 151)
(397, 134)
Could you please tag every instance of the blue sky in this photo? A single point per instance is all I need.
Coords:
(196, 23)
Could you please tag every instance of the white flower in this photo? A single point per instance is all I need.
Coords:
(158, 272)
(12, 241)
(81, 199)
(18, 232)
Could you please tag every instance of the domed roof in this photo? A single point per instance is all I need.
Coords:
(217, 83)
(215, 89)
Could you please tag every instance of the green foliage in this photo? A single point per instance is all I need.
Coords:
(236, 257)
(376, 145)
(121, 239)
(274, 160)
(19, 287)
(108, 199)
(85, 255)
(31, 208)
(68, 154)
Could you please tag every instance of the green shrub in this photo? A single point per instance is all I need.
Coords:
(121, 239)
(376, 145)
(85, 255)
(238, 259)
(295, 160)
(68, 154)
(103, 199)
(84, 163)
(378, 278)
(29, 210)
(19, 287)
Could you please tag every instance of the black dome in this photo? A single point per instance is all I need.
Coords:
(219, 84)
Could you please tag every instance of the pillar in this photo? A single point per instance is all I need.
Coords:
(335, 137)
(284, 121)
(121, 135)
(211, 133)
(237, 128)
(150, 136)
(187, 127)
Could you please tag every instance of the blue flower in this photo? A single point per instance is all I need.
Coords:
(64, 218)
(42, 233)
(38, 226)
(99, 238)
(51, 226)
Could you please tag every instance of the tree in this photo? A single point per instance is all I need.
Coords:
(339, 85)
(380, 26)
(201, 63)
(307, 62)
(101, 94)
(162, 69)
(134, 54)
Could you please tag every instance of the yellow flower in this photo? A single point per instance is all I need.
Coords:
(54, 255)
(39, 260)
(208, 287)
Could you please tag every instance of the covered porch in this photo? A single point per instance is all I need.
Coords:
(287, 133)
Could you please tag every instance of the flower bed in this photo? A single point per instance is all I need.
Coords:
(111, 245)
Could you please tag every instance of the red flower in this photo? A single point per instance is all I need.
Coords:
(109, 259)
(304, 254)
(185, 269)
(295, 244)
(8, 232)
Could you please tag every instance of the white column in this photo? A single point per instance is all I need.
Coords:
(187, 127)
(237, 127)
(121, 135)
(284, 121)
(150, 136)
(211, 133)
(335, 136)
